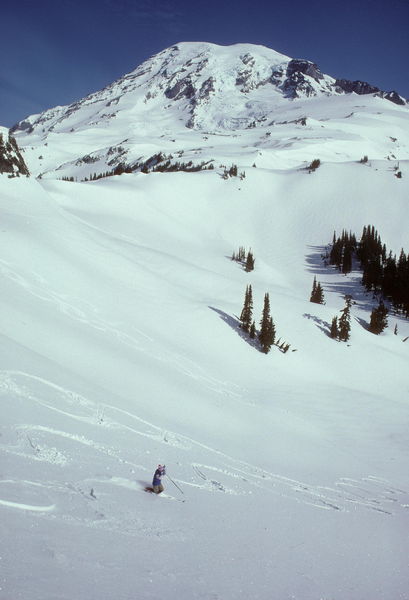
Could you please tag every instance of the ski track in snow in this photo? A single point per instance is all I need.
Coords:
(87, 314)
(221, 473)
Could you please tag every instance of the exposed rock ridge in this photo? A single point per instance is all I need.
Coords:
(11, 160)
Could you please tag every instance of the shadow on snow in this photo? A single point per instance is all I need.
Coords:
(234, 323)
(350, 284)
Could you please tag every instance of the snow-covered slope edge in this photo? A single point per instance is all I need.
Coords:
(120, 349)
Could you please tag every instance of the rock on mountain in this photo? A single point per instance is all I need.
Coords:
(11, 160)
(200, 88)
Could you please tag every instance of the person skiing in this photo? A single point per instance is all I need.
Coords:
(157, 479)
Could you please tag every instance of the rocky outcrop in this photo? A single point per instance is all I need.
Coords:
(11, 160)
(296, 67)
(362, 88)
(301, 78)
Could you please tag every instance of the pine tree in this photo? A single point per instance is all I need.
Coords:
(334, 328)
(379, 319)
(267, 329)
(347, 260)
(344, 323)
(247, 311)
(249, 262)
(253, 330)
(317, 294)
(314, 288)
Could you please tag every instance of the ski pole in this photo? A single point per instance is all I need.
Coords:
(175, 484)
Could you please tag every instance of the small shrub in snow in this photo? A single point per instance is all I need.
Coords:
(313, 166)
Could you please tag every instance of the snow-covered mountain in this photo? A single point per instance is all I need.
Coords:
(193, 96)
(121, 346)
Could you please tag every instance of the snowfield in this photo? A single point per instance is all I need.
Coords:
(121, 349)
(121, 346)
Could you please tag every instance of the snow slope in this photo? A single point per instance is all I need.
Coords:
(120, 348)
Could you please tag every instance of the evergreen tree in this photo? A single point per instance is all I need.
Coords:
(379, 319)
(317, 294)
(334, 328)
(344, 323)
(347, 259)
(249, 262)
(314, 289)
(247, 311)
(253, 330)
(267, 329)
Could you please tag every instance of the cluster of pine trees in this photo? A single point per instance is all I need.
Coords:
(245, 258)
(232, 172)
(342, 251)
(162, 163)
(266, 335)
(382, 272)
(171, 167)
(119, 169)
(157, 163)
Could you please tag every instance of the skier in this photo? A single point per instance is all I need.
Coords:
(157, 479)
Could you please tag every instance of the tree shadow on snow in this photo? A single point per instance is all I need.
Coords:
(234, 323)
(322, 325)
(364, 324)
(350, 284)
(317, 262)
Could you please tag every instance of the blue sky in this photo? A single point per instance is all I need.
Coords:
(58, 51)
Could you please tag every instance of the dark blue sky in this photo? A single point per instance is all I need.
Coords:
(58, 51)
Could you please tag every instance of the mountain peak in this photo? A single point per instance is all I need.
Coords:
(198, 87)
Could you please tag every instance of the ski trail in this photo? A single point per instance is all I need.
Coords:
(29, 507)
(84, 312)
(219, 473)
(75, 308)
